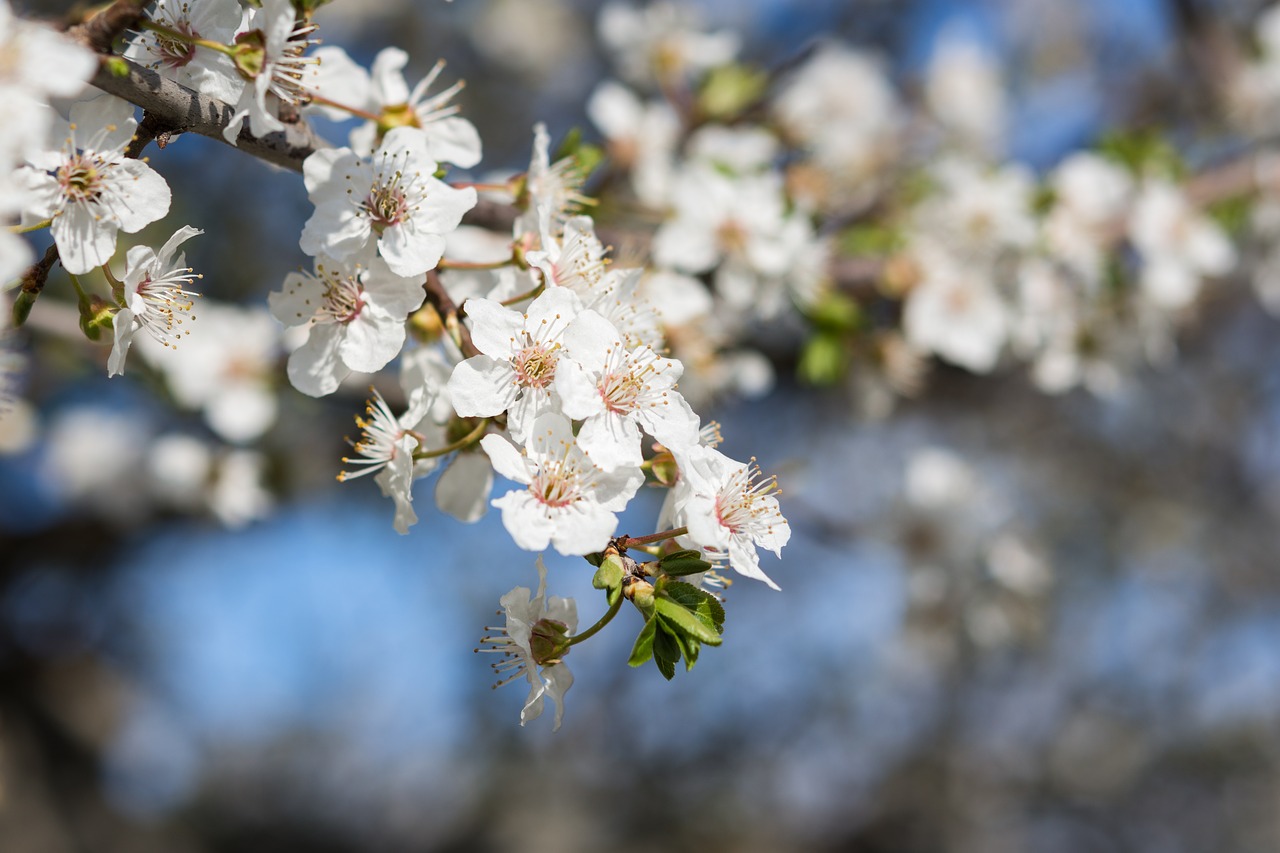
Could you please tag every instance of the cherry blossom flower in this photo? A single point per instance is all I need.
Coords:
(552, 188)
(1178, 245)
(204, 70)
(278, 75)
(662, 42)
(574, 260)
(729, 509)
(519, 355)
(355, 315)
(642, 138)
(956, 312)
(567, 500)
(386, 449)
(89, 188)
(616, 391)
(394, 201)
(532, 645)
(450, 139)
(155, 297)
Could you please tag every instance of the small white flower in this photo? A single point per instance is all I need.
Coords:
(155, 297)
(616, 391)
(536, 628)
(355, 315)
(207, 71)
(642, 138)
(519, 355)
(87, 186)
(450, 139)
(567, 500)
(574, 259)
(386, 448)
(662, 42)
(1178, 245)
(956, 312)
(283, 72)
(552, 189)
(394, 201)
(729, 509)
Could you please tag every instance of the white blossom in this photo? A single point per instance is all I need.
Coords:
(662, 42)
(208, 71)
(89, 188)
(156, 297)
(394, 201)
(730, 509)
(534, 620)
(355, 315)
(566, 500)
(519, 355)
(283, 72)
(1178, 245)
(616, 391)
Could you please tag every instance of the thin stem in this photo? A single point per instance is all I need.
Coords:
(117, 286)
(186, 38)
(355, 111)
(466, 441)
(83, 297)
(633, 541)
(521, 297)
(27, 229)
(446, 264)
(595, 629)
(480, 186)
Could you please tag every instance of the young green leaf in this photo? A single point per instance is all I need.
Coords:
(643, 648)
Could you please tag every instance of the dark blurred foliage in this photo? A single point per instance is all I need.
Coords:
(894, 697)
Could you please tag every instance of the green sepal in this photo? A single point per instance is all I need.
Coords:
(678, 617)
(701, 602)
(306, 7)
(609, 577)
(642, 649)
(249, 54)
(836, 312)
(594, 559)
(683, 563)
(22, 305)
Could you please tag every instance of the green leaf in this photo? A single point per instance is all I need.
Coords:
(683, 563)
(666, 650)
(699, 601)
(610, 574)
(643, 648)
(875, 241)
(696, 625)
(689, 648)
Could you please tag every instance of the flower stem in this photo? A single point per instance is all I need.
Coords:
(355, 111)
(633, 541)
(466, 441)
(117, 286)
(594, 629)
(521, 297)
(446, 264)
(480, 186)
(27, 229)
(185, 38)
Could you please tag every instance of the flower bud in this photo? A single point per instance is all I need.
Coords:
(640, 593)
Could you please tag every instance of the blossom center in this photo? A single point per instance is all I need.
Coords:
(343, 298)
(741, 503)
(175, 53)
(387, 205)
(535, 365)
(80, 178)
(558, 483)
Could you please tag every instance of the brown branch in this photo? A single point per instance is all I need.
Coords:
(449, 311)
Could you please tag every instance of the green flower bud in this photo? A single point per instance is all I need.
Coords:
(250, 54)
(548, 642)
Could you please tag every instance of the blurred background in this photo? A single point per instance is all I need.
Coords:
(1008, 621)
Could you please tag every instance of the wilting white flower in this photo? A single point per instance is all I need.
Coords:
(729, 509)
(394, 201)
(1178, 245)
(283, 71)
(355, 314)
(617, 391)
(89, 188)
(155, 297)
(519, 355)
(532, 644)
(207, 71)
(567, 500)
